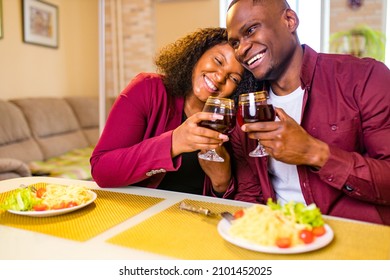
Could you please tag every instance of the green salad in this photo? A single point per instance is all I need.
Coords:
(22, 199)
(309, 215)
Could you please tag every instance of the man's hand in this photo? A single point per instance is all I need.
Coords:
(287, 141)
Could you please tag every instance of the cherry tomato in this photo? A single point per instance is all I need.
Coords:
(40, 207)
(40, 192)
(238, 214)
(306, 236)
(319, 231)
(59, 206)
(283, 242)
(71, 204)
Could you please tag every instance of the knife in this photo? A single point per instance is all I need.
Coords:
(185, 206)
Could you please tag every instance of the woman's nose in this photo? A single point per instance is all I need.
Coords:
(219, 76)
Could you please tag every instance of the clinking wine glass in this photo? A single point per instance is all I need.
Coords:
(221, 106)
(253, 107)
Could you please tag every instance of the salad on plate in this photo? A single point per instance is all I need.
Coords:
(47, 197)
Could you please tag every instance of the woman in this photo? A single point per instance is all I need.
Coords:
(152, 136)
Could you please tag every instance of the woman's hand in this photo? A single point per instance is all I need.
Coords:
(219, 172)
(189, 136)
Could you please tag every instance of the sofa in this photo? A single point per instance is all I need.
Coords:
(48, 136)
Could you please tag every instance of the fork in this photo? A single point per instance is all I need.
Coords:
(32, 188)
(227, 216)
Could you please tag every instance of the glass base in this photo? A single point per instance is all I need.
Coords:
(211, 155)
(259, 152)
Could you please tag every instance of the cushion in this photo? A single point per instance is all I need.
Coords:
(15, 137)
(74, 165)
(86, 110)
(13, 168)
(53, 124)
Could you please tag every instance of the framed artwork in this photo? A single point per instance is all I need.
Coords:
(1, 19)
(40, 23)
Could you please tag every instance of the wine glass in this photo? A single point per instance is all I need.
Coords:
(253, 107)
(222, 106)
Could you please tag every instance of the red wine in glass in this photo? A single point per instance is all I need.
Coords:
(253, 107)
(261, 113)
(222, 106)
(224, 126)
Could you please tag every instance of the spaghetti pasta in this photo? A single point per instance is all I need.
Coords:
(57, 194)
(262, 225)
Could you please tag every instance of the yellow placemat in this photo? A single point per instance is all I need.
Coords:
(108, 210)
(186, 235)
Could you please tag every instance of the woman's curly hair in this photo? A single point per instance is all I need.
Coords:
(177, 60)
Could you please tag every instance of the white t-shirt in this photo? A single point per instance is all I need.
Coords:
(284, 177)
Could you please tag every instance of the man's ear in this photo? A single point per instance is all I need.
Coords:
(291, 19)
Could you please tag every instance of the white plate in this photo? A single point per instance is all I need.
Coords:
(319, 242)
(49, 213)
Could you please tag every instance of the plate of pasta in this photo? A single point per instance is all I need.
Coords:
(288, 229)
(45, 200)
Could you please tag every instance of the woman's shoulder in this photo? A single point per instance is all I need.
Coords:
(145, 77)
(148, 91)
(149, 82)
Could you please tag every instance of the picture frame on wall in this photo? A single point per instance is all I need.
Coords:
(40, 23)
(1, 19)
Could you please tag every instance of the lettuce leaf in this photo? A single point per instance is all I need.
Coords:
(309, 215)
(22, 199)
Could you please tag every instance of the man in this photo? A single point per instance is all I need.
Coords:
(330, 145)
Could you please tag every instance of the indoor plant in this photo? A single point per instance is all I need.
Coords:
(361, 41)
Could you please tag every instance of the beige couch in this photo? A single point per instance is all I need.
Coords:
(48, 136)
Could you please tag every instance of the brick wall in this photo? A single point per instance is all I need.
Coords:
(344, 18)
(129, 30)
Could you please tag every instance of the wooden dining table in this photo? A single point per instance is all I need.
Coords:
(146, 224)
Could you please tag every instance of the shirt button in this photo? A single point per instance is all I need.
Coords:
(333, 127)
(330, 178)
(348, 188)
